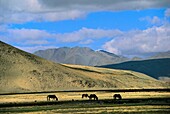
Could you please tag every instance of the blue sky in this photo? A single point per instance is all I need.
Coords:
(103, 20)
(130, 28)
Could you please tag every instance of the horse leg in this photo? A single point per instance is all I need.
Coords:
(120, 97)
(96, 98)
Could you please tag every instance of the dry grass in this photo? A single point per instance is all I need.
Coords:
(118, 109)
(87, 107)
(65, 96)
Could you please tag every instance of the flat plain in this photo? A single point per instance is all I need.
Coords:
(154, 102)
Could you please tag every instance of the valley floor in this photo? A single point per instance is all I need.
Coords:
(155, 102)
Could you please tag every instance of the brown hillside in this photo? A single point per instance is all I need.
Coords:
(24, 72)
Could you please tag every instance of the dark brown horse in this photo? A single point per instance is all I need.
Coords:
(117, 96)
(52, 97)
(84, 95)
(93, 96)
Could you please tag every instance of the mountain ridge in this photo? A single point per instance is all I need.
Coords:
(156, 68)
(80, 56)
(87, 56)
(159, 55)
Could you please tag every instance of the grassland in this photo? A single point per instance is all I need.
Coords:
(71, 102)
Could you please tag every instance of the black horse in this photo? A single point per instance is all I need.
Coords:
(52, 97)
(93, 96)
(115, 96)
(84, 95)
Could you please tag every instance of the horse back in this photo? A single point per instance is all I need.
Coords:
(51, 96)
(84, 95)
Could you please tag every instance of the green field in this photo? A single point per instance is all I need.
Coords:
(152, 102)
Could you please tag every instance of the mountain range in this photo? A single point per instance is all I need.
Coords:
(25, 72)
(80, 56)
(89, 57)
(156, 65)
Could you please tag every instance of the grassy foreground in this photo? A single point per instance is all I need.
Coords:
(102, 106)
(155, 102)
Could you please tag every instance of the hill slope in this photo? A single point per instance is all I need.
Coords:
(153, 67)
(24, 72)
(80, 56)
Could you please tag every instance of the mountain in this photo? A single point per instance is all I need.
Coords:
(136, 59)
(80, 56)
(160, 55)
(25, 72)
(156, 68)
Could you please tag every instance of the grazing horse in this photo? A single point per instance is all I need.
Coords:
(117, 96)
(52, 97)
(93, 96)
(84, 95)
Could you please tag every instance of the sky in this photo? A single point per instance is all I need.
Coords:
(124, 27)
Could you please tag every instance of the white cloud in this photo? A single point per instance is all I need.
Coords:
(35, 48)
(167, 12)
(28, 34)
(25, 36)
(153, 20)
(86, 33)
(89, 41)
(35, 36)
(138, 42)
(20, 11)
(135, 42)
(35, 42)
